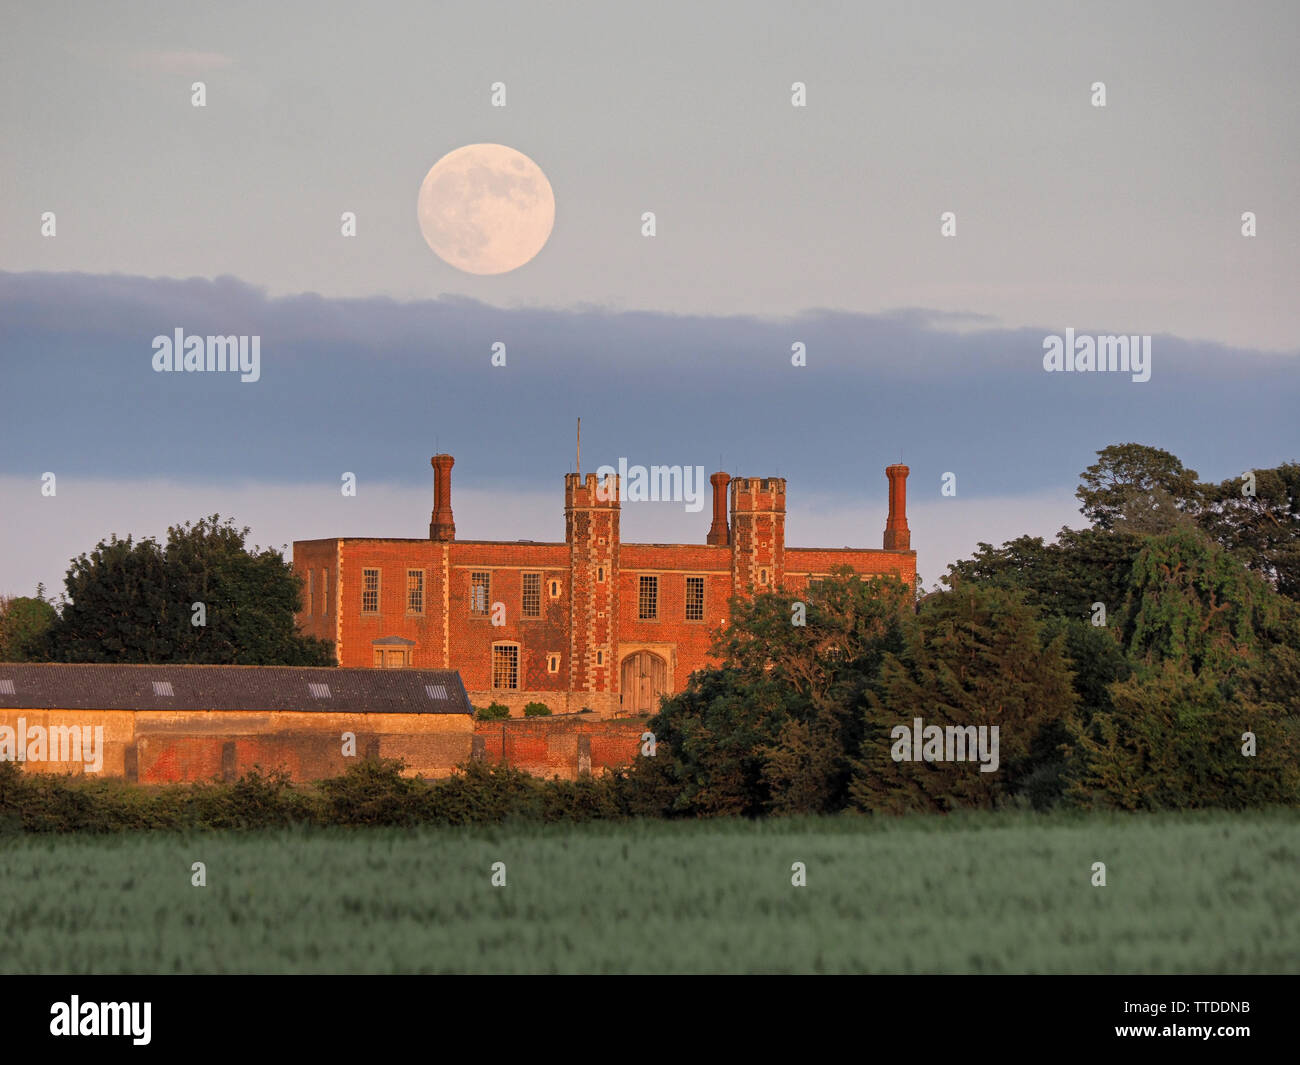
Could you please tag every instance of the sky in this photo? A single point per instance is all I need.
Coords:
(775, 225)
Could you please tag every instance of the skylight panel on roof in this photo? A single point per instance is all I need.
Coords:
(7, 687)
(319, 691)
(163, 687)
(436, 691)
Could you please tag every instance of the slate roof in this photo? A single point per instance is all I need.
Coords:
(60, 686)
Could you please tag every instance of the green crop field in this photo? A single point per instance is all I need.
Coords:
(972, 893)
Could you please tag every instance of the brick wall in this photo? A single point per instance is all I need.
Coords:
(393, 559)
(801, 561)
(562, 747)
(154, 747)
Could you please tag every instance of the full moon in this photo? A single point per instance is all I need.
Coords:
(486, 208)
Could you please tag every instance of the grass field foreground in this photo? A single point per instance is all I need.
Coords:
(972, 893)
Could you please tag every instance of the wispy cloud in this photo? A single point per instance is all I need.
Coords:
(374, 387)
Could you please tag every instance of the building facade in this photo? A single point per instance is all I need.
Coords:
(162, 724)
(587, 623)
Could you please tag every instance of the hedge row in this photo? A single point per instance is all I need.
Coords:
(370, 793)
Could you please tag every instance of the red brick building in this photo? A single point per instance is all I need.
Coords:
(589, 621)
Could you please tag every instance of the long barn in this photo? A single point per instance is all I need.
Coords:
(164, 723)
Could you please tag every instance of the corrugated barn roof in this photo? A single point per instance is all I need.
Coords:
(264, 688)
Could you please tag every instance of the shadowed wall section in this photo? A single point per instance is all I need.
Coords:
(560, 746)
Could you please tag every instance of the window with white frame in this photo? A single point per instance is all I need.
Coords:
(532, 598)
(480, 593)
(647, 608)
(505, 666)
(694, 598)
(415, 591)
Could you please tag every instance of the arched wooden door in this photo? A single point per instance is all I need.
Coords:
(644, 679)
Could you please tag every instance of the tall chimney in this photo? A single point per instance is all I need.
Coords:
(442, 525)
(897, 535)
(719, 533)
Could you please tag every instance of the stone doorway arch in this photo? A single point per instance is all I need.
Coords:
(643, 679)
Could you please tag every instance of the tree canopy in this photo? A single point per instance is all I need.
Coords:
(203, 597)
(25, 623)
(1143, 487)
(1151, 660)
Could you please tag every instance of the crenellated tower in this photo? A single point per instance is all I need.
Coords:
(591, 517)
(757, 534)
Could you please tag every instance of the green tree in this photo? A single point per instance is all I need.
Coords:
(1079, 585)
(777, 726)
(1262, 530)
(1277, 681)
(492, 712)
(1191, 603)
(1063, 579)
(1097, 662)
(25, 623)
(130, 601)
(1175, 740)
(978, 656)
(116, 607)
(815, 641)
(1142, 489)
(1213, 650)
(711, 743)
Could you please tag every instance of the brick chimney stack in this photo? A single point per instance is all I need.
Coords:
(442, 526)
(719, 534)
(897, 536)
